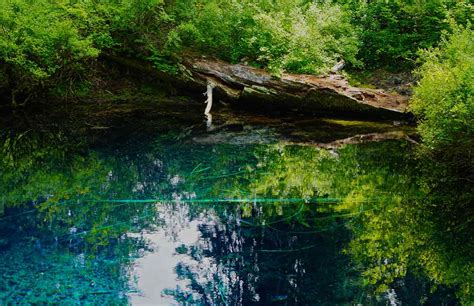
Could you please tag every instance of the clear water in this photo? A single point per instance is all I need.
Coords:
(148, 206)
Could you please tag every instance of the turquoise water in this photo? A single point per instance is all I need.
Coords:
(148, 206)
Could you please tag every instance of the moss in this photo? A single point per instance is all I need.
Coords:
(361, 79)
(368, 124)
(391, 81)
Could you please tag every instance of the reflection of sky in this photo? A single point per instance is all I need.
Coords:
(155, 271)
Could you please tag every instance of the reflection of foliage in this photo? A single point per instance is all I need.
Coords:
(401, 222)
(70, 248)
(289, 171)
(240, 262)
(55, 180)
(396, 221)
(407, 230)
(396, 209)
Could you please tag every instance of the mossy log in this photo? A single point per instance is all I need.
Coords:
(256, 88)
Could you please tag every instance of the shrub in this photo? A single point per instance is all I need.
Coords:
(37, 43)
(393, 31)
(444, 97)
(52, 44)
(284, 36)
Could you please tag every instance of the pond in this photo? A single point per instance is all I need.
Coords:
(145, 204)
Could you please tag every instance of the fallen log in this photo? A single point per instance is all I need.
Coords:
(252, 87)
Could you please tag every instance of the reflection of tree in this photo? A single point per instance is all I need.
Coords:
(403, 231)
(60, 246)
(239, 263)
(411, 237)
(407, 231)
(60, 182)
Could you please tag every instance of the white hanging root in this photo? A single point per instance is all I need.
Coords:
(210, 87)
(209, 122)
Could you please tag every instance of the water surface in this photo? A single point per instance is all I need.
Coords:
(147, 205)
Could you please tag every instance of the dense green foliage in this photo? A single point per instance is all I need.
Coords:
(444, 98)
(392, 32)
(286, 35)
(54, 44)
(37, 43)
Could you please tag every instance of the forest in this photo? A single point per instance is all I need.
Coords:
(366, 105)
